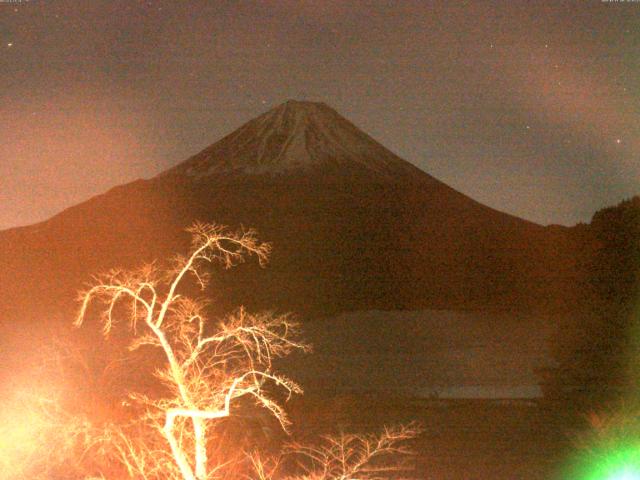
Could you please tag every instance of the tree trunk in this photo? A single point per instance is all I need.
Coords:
(200, 434)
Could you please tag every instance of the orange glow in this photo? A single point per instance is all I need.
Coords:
(19, 433)
(85, 145)
(36, 436)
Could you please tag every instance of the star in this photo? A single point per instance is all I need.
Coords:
(618, 141)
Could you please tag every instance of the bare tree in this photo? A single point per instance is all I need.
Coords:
(344, 457)
(351, 456)
(205, 367)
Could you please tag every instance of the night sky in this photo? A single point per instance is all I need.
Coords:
(532, 108)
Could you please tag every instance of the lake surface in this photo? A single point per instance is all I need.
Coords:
(428, 353)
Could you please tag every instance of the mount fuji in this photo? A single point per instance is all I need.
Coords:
(353, 227)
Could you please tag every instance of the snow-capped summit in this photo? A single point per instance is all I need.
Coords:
(296, 135)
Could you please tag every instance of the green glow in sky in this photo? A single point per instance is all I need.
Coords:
(629, 473)
(622, 463)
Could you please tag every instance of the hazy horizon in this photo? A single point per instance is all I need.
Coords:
(528, 108)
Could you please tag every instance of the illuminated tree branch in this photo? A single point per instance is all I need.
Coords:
(204, 372)
(345, 457)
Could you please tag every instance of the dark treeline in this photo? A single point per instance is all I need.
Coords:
(599, 349)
